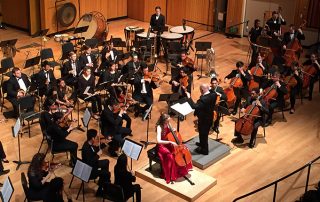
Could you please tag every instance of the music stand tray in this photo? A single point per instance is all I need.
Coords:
(11, 42)
(40, 33)
(79, 30)
(32, 62)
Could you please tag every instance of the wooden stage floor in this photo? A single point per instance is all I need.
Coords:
(287, 146)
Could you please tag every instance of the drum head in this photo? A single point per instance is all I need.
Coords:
(67, 14)
(97, 25)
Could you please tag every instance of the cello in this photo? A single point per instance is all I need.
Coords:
(270, 93)
(308, 72)
(255, 71)
(245, 124)
(236, 82)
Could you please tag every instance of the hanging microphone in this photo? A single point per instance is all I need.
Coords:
(184, 24)
(247, 26)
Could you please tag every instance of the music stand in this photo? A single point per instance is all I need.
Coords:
(16, 130)
(86, 118)
(42, 32)
(169, 98)
(8, 43)
(181, 108)
(7, 190)
(132, 149)
(202, 46)
(147, 116)
(31, 62)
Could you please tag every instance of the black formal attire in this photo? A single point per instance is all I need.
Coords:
(279, 102)
(294, 91)
(2, 156)
(178, 89)
(84, 61)
(204, 111)
(314, 78)
(222, 103)
(157, 23)
(131, 68)
(261, 80)
(95, 100)
(13, 88)
(188, 68)
(240, 92)
(100, 168)
(275, 25)
(46, 119)
(60, 143)
(143, 96)
(42, 77)
(258, 121)
(111, 78)
(37, 190)
(254, 33)
(70, 78)
(124, 178)
(288, 37)
(105, 61)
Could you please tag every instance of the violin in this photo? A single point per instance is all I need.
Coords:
(120, 106)
(188, 62)
(154, 78)
(182, 154)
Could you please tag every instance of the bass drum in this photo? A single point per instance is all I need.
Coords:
(97, 26)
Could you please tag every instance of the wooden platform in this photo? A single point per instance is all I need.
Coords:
(181, 187)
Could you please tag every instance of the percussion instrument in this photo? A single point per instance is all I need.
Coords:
(143, 36)
(130, 34)
(187, 33)
(98, 27)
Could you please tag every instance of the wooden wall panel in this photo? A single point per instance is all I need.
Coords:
(301, 12)
(136, 9)
(16, 13)
(87, 6)
(235, 15)
(198, 11)
(176, 12)
(149, 8)
(116, 8)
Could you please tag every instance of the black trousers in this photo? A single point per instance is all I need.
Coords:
(135, 189)
(2, 156)
(66, 145)
(95, 101)
(204, 125)
(257, 123)
(144, 99)
(240, 93)
(102, 171)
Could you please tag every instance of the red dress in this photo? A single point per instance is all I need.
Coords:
(170, 170)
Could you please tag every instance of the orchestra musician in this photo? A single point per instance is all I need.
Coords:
(171, 171)
(71, 70)
(86, 85)
(91, 151)
(111, 76)
(314, 61)
(294, 73)
(112, 118)
(108, 54)
(218, 91)
(58, 131)
(290, 36)
(46, 81)
(261, 65)
(204, 111)
(87, 59)
(241, 92)
(157, 24)
(279, 101)
(180, 84)
(256, 100)
(254, 33)
(17, 87)
(274, 24)
(132, 67)
(143, 92)
(46, 116)
(3, 159)
(61, 97)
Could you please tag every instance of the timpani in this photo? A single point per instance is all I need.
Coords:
(187, 33)
(130, 34)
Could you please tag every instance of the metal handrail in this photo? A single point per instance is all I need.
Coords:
(275, 183)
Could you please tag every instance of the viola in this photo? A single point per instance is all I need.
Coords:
(120, 106)
(188, 62)
(154, 78)
(49, 166)
(182, 154)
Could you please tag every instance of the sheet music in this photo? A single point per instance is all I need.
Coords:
(86, 117)
(86, 90)
(7, 190)
(183, 109)
(82, 171)
(16, 128)
(132, 149)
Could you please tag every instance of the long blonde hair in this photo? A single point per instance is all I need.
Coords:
(162, 119)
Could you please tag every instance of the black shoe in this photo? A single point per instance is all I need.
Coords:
(199, 150)
(198, 144)
(291, 111)
(5, 161)
(216, 130)
(71, 164)
(3, 172)
(99, 192)
(237, 140)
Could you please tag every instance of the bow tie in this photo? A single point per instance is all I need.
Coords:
(19, 78)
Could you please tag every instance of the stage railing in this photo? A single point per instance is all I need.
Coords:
(275, 183)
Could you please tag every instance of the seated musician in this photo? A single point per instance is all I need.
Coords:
(90, 152)
(62, 99)
(132, 67)
(165, 148)
(218, 90)
(260, 63)
(71, 70)
(3, 159)
(180, 84)
(314, 61)
(254, 33)
(108, 54)
(112, 118)
(46, 116)
(110, 77)
(87, 59)
(258, 121)
(186, 63)
(46, 81)
(58, 131)
(87, 81)
(17, 87)
(143, 92)
(157, 23)
(294, 89)
(274, 24)
(241, 92)
(279, 101)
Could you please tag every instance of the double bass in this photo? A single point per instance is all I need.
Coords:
(236, 82)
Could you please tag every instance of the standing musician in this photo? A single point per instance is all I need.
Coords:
(279, 100)
(86, 86)
(58, 131)
(218, 91)
(180, 84)
(157, 24)
(17, 87)
(254, 33)
(204, 111)
(254, 99)
(290, 36)
(274, 24)
(143, 92)
(313, 62)
(108, 54)
(46, 80)
(241, 92)
(112, 118)
(90, 152)
(294, 84)
(71, 70)
(87, 59)
(171, 171)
